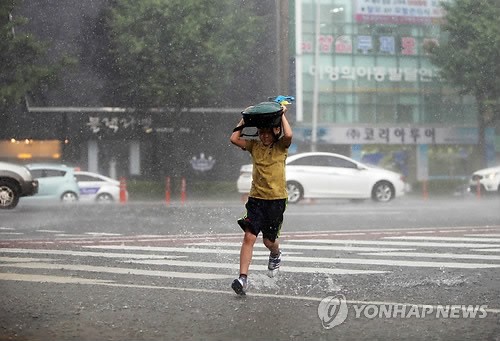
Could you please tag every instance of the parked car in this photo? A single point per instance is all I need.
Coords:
(97, 187)
(488, 178)
(15, 182)
(55, 181)
(329, 175)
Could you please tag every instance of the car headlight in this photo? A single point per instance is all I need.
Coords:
(491, 176)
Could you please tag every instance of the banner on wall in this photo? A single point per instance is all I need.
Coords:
(422, 12)
(393, 135)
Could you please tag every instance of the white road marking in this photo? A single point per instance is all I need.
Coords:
(432, 255)
(115, 270)
(49, 231)
(21, 259)
(102, 234)
(286, 247)
(51, 279)
(174, 249)
(11, 233)
(483, 235)
(448, 239)
(7, 228)
(394, 243)
(389, 262)
(64, 280)
(70, 235)
(486, 250)
(89, 254)
(342, 213)
(287, 268)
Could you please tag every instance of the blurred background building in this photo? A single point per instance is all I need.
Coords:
(367, 89)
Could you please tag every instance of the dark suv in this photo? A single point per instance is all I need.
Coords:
(15, 182)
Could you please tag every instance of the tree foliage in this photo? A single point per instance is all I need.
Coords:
(469, 56)
(178, 53)
(20, 53)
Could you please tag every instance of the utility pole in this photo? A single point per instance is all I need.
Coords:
(282, 53)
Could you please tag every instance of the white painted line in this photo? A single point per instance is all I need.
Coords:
(89, 254)
(49, 231)
(6, 228)
(448, 239)
(11, 233)
(393, 243)
(486, 250)
(483, 235)
(308, 247)
(433, 255)
(388, 262)
(115, 270)
(51, 279)
(173, 249)
(102, 234)
(420, 232)
(287, 268)
(343, 213)
(64, 280)
(22, 259)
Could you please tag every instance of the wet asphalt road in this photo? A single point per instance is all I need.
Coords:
(148, 271)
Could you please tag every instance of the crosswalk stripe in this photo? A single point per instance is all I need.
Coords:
(88, 254)
(487, 250)
(389, 262)
(173, 249)
(116, 270)
(448, 239)
(432, 255)
(483, 235)
(50, 279)
(393, 243)
(22, 259)
(286, 246)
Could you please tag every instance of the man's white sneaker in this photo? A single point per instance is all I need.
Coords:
(240, 286)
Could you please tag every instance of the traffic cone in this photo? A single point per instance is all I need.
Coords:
(123, 190)
(183, 190)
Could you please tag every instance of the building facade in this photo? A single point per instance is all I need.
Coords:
(367, 88)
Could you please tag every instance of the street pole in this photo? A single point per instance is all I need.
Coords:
(315, 104)
(299, 116)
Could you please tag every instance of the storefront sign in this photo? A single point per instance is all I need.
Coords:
(114, 124)
(392, 135)
(376, 73)
(398, 11)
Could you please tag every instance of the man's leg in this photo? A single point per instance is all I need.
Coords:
(274, 247)
(246, 251)
(240, 284)
(274, 255)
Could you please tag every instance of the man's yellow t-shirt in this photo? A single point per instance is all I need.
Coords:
(268, 177)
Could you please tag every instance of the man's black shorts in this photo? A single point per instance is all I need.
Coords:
(264, 216)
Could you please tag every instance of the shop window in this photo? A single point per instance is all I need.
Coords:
(404, 113)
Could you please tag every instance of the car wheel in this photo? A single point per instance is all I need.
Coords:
(69, 197)
(104, 198)
(9, 194)
(383, 191)
(295, 192)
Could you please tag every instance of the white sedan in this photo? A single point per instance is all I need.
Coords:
(97, 187)
(328, 175)
(488, 179)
